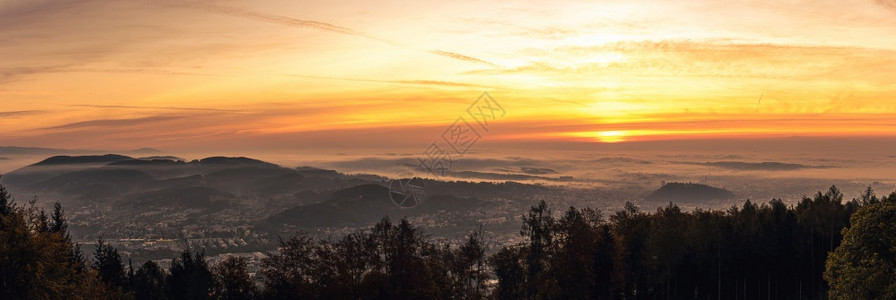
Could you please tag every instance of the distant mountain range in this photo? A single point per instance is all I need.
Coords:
(303, 197)
(119, 177)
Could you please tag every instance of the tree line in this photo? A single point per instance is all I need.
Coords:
(753, 251)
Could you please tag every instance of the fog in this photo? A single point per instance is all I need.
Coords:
(772, 168)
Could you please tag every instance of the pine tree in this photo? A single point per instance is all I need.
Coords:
(190, 277)
(38, 261)
(108, 265)
(149, 282)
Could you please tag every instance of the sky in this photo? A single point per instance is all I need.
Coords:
(205, 75)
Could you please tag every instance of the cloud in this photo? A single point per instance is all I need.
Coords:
(461, 57)
(9, 114)
(416, 82)
(11, 74)
(762, 166)
(133, 70)
(277, 19)
(890, 4)
(157, 107)
(324, 26)
(116, 122)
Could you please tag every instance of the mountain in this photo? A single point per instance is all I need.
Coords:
(157, 181)
(234, 161)
(688, 192)
(86, 159)
(118, 195)
(351, 206)
(55, 166)
(365, 204)
(201, 197)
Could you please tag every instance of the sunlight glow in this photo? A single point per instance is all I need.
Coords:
(612, 136)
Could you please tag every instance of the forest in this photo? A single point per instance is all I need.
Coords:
(821, 247)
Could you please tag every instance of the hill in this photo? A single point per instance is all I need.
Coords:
(688, 192)
(365, 204)
(84, 159)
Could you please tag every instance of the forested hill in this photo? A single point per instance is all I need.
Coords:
(682, 192)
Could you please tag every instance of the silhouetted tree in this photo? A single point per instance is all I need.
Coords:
(538, 229)
(630, 230)
(574, 261)
(509, 266)
(287, 274)
(233, 281)
(37, 258)
(471, 270)
(862, 267)
(190, 277)
(108, 265)
(149, 281)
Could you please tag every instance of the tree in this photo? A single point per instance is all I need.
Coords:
(38, 262)
(6, 204)
(862, 267)
(411, 263)
(58, 223)
(340, 268)
(190, 277)
(233, 281)
(287, 273)
(509, 265)
(630, 231)
(149, 282)
(538, 228)
(108, 265)
(573, 263)
(471, 266)
(820, 221)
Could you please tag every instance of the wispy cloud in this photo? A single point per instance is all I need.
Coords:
(324, 26)
(9, 114)
(461, 57)
(277, 19)
(891, 4)
(12, 74)
(134, 70)
(415, 82)
(116, 122)
(159, 108)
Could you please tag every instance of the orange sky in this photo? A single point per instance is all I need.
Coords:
(191, 74)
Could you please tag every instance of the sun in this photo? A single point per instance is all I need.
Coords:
(612, 136)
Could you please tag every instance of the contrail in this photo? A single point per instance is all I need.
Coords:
(289, 21)
(758, 102)
(461, 57)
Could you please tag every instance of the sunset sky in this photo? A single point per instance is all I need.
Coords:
(100, 74)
